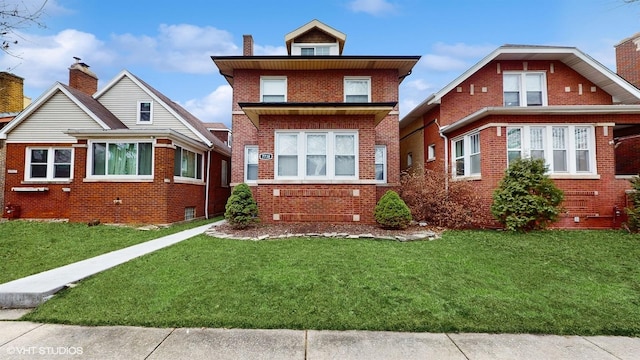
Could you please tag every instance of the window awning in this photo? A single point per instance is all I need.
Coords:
(377, 110)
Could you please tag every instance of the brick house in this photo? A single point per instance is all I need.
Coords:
(315, 131)
(124, 154)
(555, 103)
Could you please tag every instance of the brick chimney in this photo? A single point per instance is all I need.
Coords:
(11, 93)
(247, 45)
(628, 59)
(81, 78)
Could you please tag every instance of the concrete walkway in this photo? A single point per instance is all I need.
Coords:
(30, 291)
(26, 340)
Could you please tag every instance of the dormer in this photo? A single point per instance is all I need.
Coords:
(315, 39)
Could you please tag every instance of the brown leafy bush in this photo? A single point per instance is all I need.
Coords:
(458, 208)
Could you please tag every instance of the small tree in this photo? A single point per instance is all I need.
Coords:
(526, 198)
(391, 211)
(633, 212)
(241, 209)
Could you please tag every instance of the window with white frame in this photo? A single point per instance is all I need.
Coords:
(566, 149)
(49, 164)
(273, 89)
(224, 174)
(145, 112)
(316, 155)
(381, 163)
(187, 164)
(524, 88)
(315, 50)
(409, 159)
(121, 159)
(357, 89)
(466, 155)
(431, 152)
(251, 163)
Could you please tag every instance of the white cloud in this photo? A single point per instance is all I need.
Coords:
(442, 63)
(463, 50)
(372, 7)
(181, 48)
(269, 50)
(215, 107)
(41, 60)
(418, 84)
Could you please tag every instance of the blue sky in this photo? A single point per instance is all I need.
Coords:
(169, 44)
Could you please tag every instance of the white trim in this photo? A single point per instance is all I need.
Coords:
(384, 164)
(139, 112)
(246, 164)
(29, 189)
(278, 79)
(522, 86)
(353, 78)
(106, 177)
(50, 164)
(466, 155)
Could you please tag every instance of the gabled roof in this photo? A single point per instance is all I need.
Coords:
(315, 24)
(185, 117)
(88, 104)
(621, 91)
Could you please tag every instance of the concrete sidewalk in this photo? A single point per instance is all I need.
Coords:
(26, 340)
(32, 290)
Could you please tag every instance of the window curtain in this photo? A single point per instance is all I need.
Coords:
(122, 159)
(145, 158)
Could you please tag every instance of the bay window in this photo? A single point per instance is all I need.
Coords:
(49, 164)
(566, 149)
(121, 159)
(187, 164)
(316, 155)
(466, 155)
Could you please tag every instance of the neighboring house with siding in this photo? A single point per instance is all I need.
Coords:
(315, 132)
(125, 154)
(549, 102)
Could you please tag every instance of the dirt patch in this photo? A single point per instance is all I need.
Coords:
(275, 230)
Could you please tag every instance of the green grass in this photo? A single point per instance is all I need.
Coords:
(556, 282)
(28, 248)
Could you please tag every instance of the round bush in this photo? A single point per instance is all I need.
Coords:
(392, 212)
(241, 209)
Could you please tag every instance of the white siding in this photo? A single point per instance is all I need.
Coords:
(48, 123)
(122, 100)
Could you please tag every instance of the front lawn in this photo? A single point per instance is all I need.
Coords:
(555, 282)
(28, 247)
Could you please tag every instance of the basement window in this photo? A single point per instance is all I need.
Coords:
(189, 213)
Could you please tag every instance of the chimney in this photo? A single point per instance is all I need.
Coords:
(628, 59)
(11, 93)
(247, 45)
(81, 78)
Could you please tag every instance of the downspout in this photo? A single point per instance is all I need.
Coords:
(446, 157)
(206, 191)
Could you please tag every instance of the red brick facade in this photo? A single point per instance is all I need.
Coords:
(594, 201)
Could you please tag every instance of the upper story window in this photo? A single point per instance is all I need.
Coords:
(273, 89)
(524, 89)
(357, 89)
(565, 149)
(251, 163)
(315, 50)
(145, 112)
(187, 164)
(316, 155)
(466, 155)
(121, 159)
(49, 164)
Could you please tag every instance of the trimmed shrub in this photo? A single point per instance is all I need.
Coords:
(633, 212)
(526, 198)
(458, 207)
(391, 211)
(241, 209)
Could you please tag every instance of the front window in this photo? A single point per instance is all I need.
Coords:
(381, 163)
(315, 50)
(121, 159)
(524, 89)
(251, 163)
(49, 164)
(273, 89)
(357, 90)
(187, 164)
(466, 155)
(565, 149)
(316, 155)
(224, 174)
(144, 112)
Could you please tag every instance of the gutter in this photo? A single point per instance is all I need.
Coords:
(206, 187)
(446, 156)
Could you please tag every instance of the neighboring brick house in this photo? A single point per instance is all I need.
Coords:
(555, 103)
(125, 154)
(315, 132)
